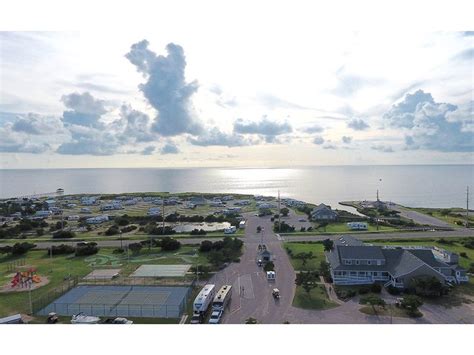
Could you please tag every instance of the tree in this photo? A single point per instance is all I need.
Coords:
(135, 247)
(269, 266)
(169, 244)
(322, 225)
(206, 246)
(86, 249)
(411, 304)
(259, 229)
(307, 280)
(304, 257)
(328, 244)
(325, 270)
(284, 211)
(373, 301)
(428, 286)
(216, 258)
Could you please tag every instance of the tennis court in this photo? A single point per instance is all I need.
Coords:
(178, 270)
(121, 301)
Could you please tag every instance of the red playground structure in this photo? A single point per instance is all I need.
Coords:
(25, 279)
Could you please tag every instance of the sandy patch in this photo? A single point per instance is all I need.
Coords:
(7, 287)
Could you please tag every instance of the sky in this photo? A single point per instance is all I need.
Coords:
(275, 96)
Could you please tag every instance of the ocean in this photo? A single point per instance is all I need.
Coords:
(409, 185)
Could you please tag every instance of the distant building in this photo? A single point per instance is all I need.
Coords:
(154, 211)
(198, 200)
(353, 263)
(97, 219)
(323, 213)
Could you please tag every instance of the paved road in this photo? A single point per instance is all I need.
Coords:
(252, 296)
(420, 218)
(461, 232)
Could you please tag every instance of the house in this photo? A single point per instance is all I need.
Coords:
(323, 213)
(241, 224)
(198, 200)
(89, 200)
(354, 263)
(43, 214)
(154, 211)
(86, 210)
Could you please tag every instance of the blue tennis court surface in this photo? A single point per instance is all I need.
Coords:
(121, 301)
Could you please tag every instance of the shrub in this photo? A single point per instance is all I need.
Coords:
(364, 290)
(135, 247)
(63, 234)
(464, 255)
(63, 249)
(169, 244)
(20, 248)
(376, 288)
(86, 249)
(393, 290)
(118, 251)
(198, 232)
(128, 229)
(113, 230)
(39, 232)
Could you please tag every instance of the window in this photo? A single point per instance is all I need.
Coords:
(379, 262)
(357, 262)
(369, 262)
(348, 262)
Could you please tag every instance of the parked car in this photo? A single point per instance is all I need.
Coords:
(216, 317)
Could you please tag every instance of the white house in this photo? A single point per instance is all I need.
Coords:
(154, 211)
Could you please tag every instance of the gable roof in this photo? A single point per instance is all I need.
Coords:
(426, 255)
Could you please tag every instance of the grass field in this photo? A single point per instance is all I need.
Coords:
(312, 264)
(61, 266)
(436, 212)
(316, 299)
(388, 310)
(337, 228)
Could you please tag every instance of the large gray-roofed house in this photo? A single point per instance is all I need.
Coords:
(353, 263)
(323, 213)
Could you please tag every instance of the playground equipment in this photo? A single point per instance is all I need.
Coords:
(25, 278)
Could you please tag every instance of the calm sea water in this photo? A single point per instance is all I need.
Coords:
(428, 186)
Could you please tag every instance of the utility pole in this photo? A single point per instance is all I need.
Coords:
(467, 207)
(163, 216)
(279, 213)
(377, 211)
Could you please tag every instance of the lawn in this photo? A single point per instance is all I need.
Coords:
(60, 266)
(341, 227)
(312, 264)
(385, 311)
(316, 299)
(451, 219)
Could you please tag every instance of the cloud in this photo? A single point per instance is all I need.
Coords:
(467, 54)
(312, 129)
(84, 109)
(349, 84)
(346, 139)
(357, 124)
(215, 137)
(135, 126)
(89, 141)
(266, 128)
(330, 146)
(382, 148)
(148, 150)
(468, 33)
(318, 140)
(273, 102)
(35, 124)
(432, 126)
(169, 148)
(18, 142)
(166, 89)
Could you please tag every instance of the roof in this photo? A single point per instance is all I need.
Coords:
(400, 262)
(360, 252)
(346, 240)
(426, 255)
